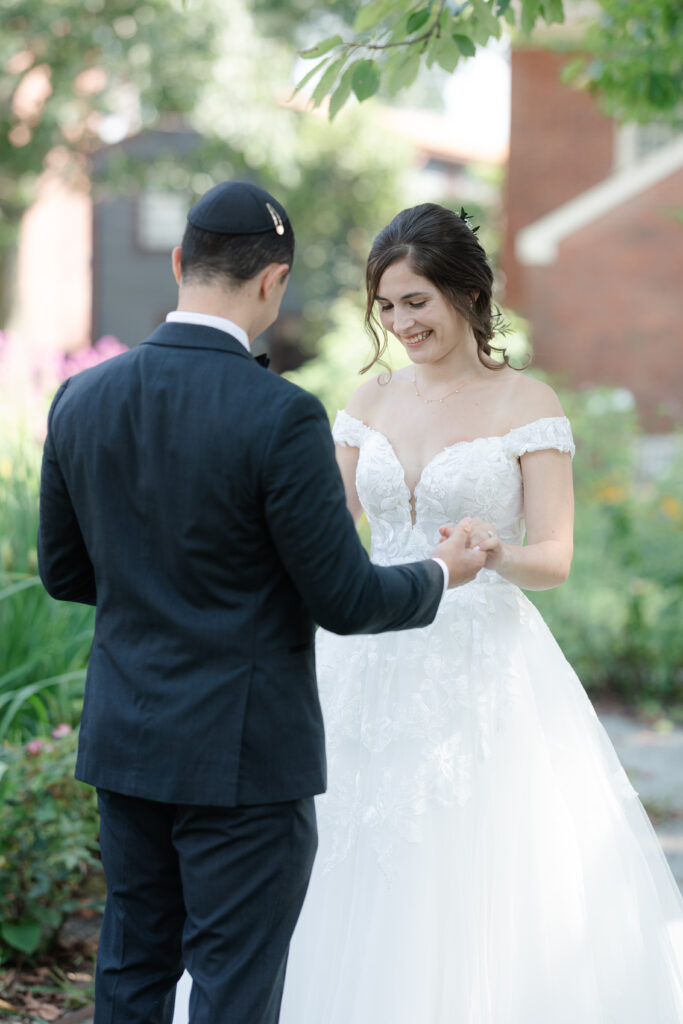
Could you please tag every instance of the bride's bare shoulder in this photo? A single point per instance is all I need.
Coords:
(374, 393)
(531, 399)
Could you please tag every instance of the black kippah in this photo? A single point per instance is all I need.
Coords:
(238, 208)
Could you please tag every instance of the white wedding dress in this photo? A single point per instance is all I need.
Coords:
(483, 857)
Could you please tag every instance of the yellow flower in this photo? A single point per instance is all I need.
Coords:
(670, 506)
(5, 467)
(612, 494)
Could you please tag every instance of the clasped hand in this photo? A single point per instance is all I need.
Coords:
(468, 547)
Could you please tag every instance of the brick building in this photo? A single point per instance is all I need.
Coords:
(594, 240)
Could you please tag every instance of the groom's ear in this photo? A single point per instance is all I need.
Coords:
(275, 275)
(175, 263)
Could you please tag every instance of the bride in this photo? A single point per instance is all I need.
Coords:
(483, 858)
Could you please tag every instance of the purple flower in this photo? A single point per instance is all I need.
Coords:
(82, 359)
(62, 730)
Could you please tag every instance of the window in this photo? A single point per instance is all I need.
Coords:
(635, 141)
(161, 218)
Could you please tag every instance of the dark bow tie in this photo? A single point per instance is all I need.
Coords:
(263, 360)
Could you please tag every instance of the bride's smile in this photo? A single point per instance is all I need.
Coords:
(430, 329)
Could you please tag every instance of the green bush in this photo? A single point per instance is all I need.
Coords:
(49, 828)
(618, 618)
(45, 643)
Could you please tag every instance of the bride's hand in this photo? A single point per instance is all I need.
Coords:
(482, 537)
(463, 561)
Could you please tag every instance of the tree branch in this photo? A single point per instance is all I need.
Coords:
(425, 37)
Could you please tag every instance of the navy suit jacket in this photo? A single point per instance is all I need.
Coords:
(194, 498)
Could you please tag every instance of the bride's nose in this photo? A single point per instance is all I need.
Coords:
(403, 319)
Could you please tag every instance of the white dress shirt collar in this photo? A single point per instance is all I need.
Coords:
(221, 323)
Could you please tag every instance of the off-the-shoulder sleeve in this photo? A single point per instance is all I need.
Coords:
(549, 432)
(347, 430)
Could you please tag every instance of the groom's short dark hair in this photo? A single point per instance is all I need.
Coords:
(209, 256)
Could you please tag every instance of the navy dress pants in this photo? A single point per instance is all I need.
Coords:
(217, 890)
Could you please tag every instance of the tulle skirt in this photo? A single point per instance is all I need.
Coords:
(483, 857)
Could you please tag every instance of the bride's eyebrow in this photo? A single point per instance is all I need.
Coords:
(410, 295)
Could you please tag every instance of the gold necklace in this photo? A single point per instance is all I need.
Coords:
(433, 401)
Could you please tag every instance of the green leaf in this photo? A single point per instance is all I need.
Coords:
(328, 80)
(403, 73)
(51, 917)
(321, 48)
(341, 93)
(502, 8)
(530, 12)
(365, 79)
(553, 12)
(486, 18)
(447, 53)
(308, 76)
(465, 45)
(371, 14)
(572, 69)
(417, 19)
(24, 935)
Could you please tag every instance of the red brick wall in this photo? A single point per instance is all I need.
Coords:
(610, 309)
(560, 145)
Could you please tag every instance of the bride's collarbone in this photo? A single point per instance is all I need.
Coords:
(417, 435)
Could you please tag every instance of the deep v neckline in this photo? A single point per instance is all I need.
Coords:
(412, 495)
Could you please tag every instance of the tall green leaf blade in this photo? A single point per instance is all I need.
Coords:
(17, 698)
(16, 588)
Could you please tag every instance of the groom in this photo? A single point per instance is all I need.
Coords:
(194, 498)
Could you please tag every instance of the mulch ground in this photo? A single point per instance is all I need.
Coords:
(60, 987)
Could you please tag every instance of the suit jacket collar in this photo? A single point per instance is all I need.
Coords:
(175, 335)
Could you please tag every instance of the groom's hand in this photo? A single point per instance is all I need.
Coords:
(463, 562)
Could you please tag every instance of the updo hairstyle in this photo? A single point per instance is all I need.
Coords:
(442, 247)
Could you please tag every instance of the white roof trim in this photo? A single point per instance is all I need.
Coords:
(537, 244)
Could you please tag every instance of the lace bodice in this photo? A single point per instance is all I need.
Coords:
(470, 478)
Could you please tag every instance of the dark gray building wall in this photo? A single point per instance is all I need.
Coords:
(132, 289)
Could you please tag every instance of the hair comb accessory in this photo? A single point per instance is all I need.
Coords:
(277, 219)
(467, 219)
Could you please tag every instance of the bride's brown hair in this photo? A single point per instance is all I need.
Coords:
(441, 246)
